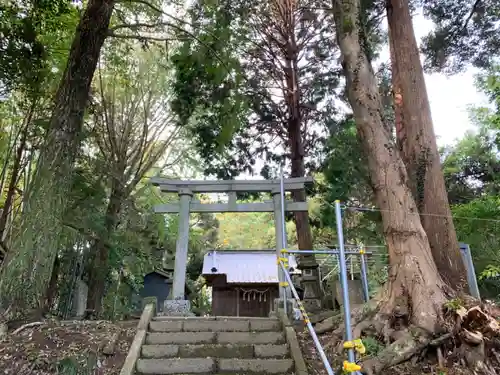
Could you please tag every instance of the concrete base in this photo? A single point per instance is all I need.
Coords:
(290, 304)
(312, 305)
(177, 308)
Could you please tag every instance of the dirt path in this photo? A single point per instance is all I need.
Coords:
(66, 348)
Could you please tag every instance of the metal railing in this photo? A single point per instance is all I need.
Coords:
(350, 365)
(318, 345)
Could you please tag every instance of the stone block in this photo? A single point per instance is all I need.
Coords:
(164, 318)
(279, 304)
(216, 351)
(160, 351)
(181, 338)
(166, 326)
(177, 307)
(216, 326)
(265, 325)
(175, 366)
(271, 351)
(259, 366)
(355, 288)
(250, 338)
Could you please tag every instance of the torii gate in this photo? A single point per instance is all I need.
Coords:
(187, 205)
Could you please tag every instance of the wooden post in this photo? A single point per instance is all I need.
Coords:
(237, 302)
(278, 230)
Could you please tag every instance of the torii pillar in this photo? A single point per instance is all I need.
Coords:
(182, 244)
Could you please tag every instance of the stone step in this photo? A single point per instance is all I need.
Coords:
(166, 317)
(210, 365)
(205, 325)
(215, 351)
(259, 366)
(184, 338)
(252, 338)
(175, 366)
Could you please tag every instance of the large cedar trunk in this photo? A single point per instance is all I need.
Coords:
(27, 272)
(100, 253)
(295, 142)
(304, 235)
(414, 283)
(417, 144)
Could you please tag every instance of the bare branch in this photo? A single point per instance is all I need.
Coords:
(142, 37)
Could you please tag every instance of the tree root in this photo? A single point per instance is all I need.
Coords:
(473, 338)
(398, 352)
(27, 325)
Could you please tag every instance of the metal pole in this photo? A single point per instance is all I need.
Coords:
(364, 274)
(471, 272)
(319, 348)
(283, 231)
(334, 252)
(343, 281)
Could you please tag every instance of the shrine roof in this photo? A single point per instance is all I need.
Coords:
(244, 266)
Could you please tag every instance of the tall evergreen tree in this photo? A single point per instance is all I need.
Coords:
(418, 147)
(278, 58)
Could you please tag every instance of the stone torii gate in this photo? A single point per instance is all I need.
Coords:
(187, 205)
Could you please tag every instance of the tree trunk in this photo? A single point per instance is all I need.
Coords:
(396, 87)
(414, 284)
(100, 253)
(16, 170)
(53, 283)
(304, 235)
(27, 273)
(418, 147)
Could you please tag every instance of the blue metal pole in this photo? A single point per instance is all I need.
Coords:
(319, 348)
(283, 231)
(334, 252)
(343, 281)
(471, 272)
(364, 274)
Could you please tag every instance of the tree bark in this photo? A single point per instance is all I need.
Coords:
(295, 141)
(418, 147)
(27, 273)
(100, 253)
(52, 289)
(414, 284)
(396, 87)
(16, 170)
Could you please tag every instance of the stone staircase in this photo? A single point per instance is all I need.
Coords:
(214, 345)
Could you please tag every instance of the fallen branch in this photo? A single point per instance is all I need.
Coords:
(27, 325)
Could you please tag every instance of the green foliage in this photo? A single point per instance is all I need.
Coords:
(28, 29)
(490, 272)
(208, 96)
(373, 347)
(346, 179)
(454, 304)
(477, 225)
(471, 167)
(466, 32)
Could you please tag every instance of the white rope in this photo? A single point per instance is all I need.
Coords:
(249, 293)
